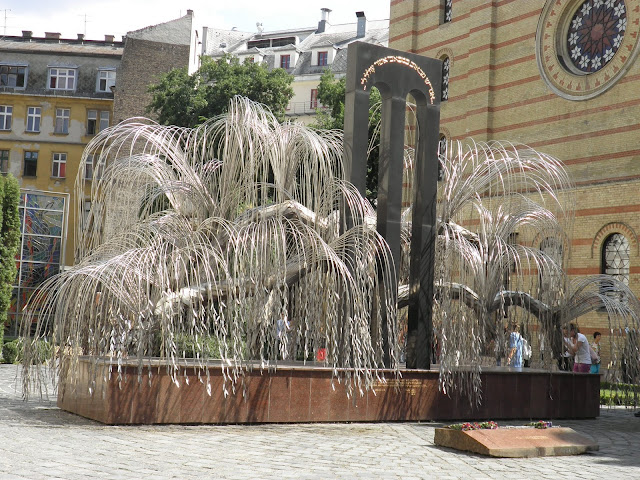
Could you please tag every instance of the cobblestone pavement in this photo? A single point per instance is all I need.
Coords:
(39, 441)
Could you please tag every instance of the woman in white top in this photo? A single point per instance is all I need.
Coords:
(580, 348)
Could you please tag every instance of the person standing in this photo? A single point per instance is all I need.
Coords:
(580, 348)
(514, 359)
(595, 366)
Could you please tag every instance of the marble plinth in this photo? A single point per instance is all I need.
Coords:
(297, 393)
(517, 442)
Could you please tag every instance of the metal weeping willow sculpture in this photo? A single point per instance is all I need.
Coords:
(233, 235)
(504, 211)
(228, 234)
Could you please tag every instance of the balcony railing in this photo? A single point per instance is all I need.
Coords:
(303, 108)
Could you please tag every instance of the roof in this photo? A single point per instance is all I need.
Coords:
(61, 47)
(218, 42)
(176, 31)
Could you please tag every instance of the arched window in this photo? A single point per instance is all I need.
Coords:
(446, 67)
(615, 257)
(447, 10)
(442, 152)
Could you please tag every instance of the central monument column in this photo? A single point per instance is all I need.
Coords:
(397, 74)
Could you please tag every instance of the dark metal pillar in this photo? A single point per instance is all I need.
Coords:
(397, 74)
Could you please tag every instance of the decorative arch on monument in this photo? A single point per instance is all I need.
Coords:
(396, 75)
(611, 228)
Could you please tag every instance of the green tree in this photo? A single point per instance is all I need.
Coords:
(331, 94)
(187, 100)
(9, 243)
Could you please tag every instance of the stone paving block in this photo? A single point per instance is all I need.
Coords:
(74, 447)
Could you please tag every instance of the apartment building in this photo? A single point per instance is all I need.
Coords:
(305, 52)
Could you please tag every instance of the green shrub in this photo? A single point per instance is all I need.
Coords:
(622, 394)
(12, 351)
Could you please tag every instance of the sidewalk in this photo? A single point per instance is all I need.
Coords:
(39, 441)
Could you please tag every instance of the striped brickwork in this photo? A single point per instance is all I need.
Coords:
(496, 92)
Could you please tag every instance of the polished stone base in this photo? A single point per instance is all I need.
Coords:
(297, 393)
(517, 442)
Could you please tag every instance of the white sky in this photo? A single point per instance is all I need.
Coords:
(116, 17)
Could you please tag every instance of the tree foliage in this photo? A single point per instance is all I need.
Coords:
(331, 94)
(9, 242)
(187, 100)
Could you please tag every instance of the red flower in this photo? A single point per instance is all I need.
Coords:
(321, 356)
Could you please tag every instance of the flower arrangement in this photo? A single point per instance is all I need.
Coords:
(489, 425)
(540, 424)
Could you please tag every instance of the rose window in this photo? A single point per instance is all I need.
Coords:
(595, 33)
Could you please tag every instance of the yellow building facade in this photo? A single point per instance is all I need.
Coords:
(561, 76)
(55, 95)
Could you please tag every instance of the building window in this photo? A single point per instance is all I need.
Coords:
(106, 80)
(33, 119)
(285, 61)
(62, 120)
(6, 113)
(323, 58)
(12, 76)
(62, 78)
(59, 169)
(86, 210)
(4, 161)
(595, 33)
(88, 168)
(97, 121)
(314, 98)
(104, 120)
(615, 259)
(447, 11)
(446, 67)
(442, 156)
(30, 164)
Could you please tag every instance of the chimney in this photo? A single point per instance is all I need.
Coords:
(27, 34)
(362, 24)
(324, 19)
(52, 35)
(190, 13)
(81, 36)
(109, 38)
